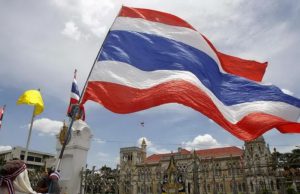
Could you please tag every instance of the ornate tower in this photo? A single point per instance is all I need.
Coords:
(129, 158)
(144, 150)
(257, 161)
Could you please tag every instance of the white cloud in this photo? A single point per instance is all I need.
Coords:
(47, 126)
(71, 30)
(5, 148)
(98, 140)
(201, 141)
(151, 148)
(102, 155)
(93, 14)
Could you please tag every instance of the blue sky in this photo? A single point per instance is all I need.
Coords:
(42, 42)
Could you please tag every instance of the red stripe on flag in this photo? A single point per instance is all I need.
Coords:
(1, 114)
(123, 99)
(241, 67)
(154, 16)
(249, 69)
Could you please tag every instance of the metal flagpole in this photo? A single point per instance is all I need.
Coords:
(29, 135)
(76, 108)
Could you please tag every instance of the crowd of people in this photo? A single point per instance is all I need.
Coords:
(14, 177)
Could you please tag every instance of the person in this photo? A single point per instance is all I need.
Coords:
(42, 185)
(14, 177)
(53, 187)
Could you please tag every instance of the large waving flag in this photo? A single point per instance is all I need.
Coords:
(1, 115)
(150, 58)
(32, 97)
(74, 98)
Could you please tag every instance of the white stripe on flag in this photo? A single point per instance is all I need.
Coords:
(124, 74)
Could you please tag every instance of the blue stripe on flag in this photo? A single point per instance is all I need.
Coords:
(75, 89)
(150, 52)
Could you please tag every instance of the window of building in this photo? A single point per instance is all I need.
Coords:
(37, 159)
(244, 186)
(139, 175)
(208, 187)
(157, 175)
(30, 158)
(272, 186)
(240, 186)
(251, 186)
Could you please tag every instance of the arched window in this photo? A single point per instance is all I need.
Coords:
(272, 186)
(251, 186)
(240, 186)
(244, 186)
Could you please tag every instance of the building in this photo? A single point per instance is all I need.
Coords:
(210, 171)
(36, 160)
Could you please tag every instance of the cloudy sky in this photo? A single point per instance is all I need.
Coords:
(42, 42)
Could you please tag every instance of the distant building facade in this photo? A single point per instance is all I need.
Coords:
(35, 160)
(209, 171)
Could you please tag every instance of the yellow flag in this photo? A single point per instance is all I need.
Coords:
(32, 97)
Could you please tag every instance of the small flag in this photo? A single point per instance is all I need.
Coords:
(74, 99)
(1, 114)
(32, 97)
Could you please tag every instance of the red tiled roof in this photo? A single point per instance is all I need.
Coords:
(220, 152)
(157, 157)
(207, 153)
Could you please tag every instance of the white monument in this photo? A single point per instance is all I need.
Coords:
(74, 157)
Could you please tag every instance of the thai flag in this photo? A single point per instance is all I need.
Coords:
(150, 58)
(1, 114)
(75, 96)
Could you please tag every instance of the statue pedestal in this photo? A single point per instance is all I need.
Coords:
(74, 158)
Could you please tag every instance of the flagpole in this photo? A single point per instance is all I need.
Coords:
(95, 61)
(29, 136)
(76, 108)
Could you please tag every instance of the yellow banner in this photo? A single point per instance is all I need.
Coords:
(32, 97)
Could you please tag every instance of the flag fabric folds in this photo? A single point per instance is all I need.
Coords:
(74, 99)
(32, 97)
(150, 58)
(2, 109)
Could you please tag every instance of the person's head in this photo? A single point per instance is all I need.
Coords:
(50, 170)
